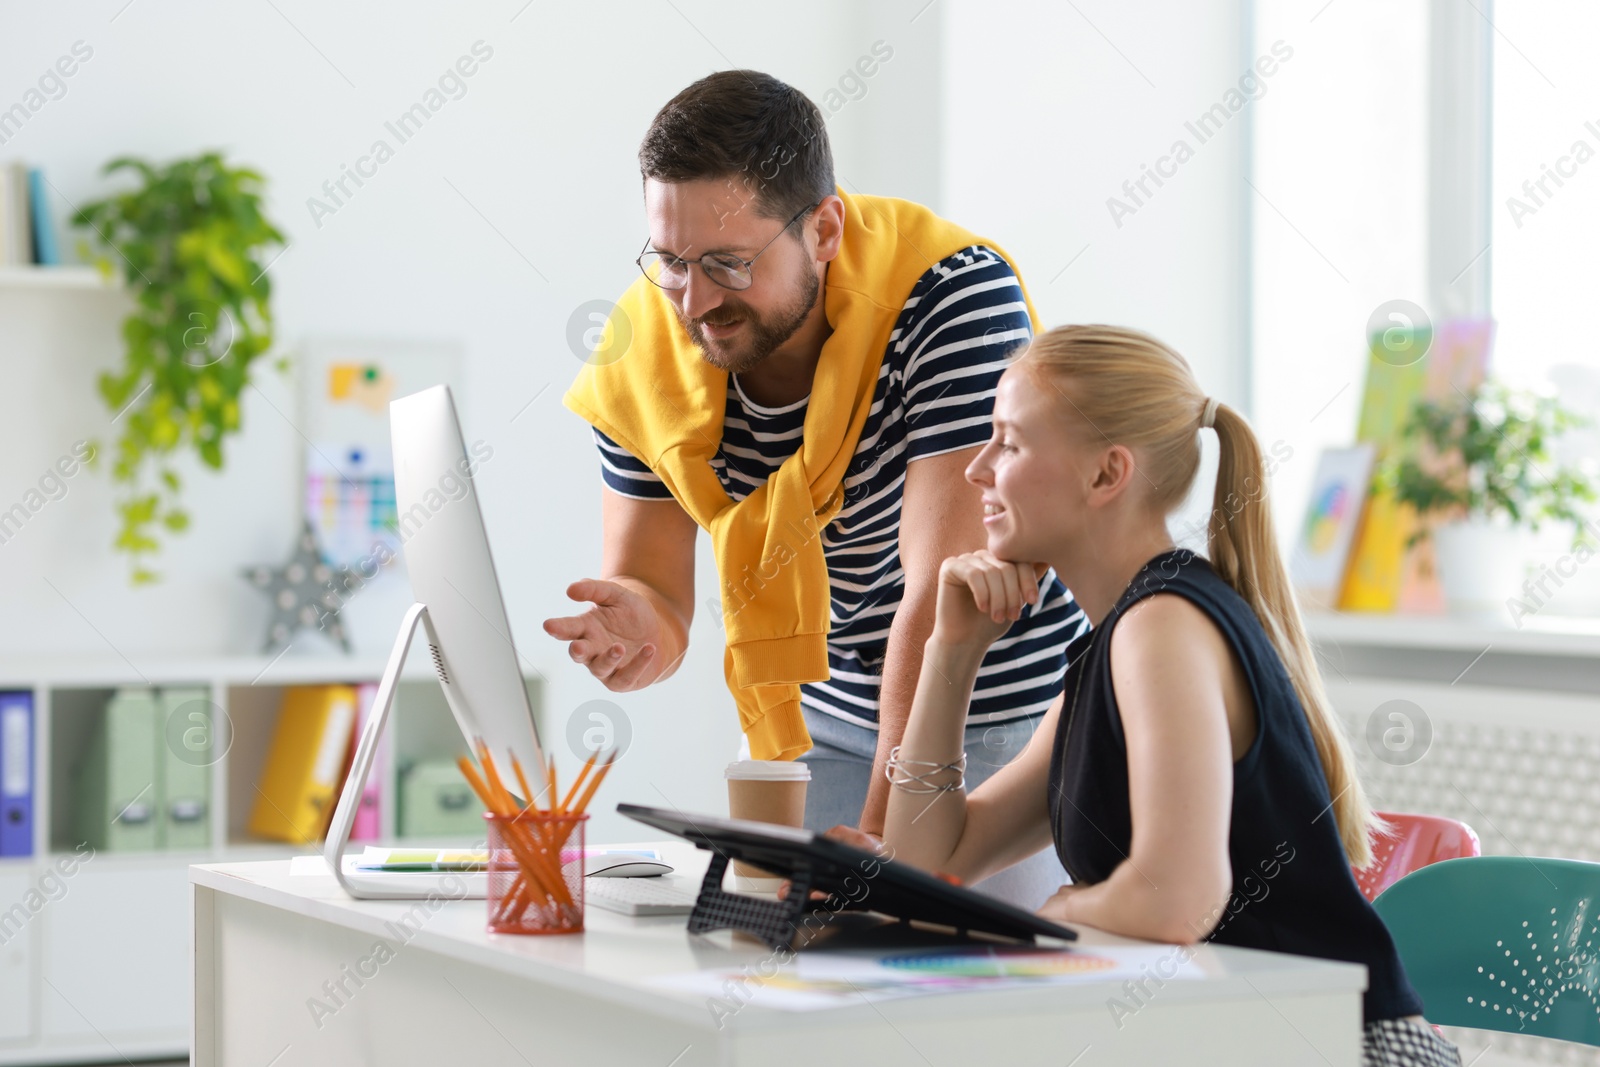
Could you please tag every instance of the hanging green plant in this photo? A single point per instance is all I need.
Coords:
(190, 241)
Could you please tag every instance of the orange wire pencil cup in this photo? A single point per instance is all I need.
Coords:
(535, 868)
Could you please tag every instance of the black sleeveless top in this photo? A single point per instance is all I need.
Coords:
(1293, 890)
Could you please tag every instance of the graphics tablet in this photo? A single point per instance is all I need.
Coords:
(855, 880)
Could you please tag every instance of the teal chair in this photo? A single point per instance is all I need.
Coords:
(1502, 943)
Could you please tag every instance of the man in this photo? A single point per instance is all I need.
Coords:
(807, 374)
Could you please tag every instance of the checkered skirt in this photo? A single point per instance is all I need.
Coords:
(1406, 1043)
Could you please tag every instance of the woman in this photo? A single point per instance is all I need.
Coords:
(1198, 787)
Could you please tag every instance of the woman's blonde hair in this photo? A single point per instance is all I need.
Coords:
(1131, 389)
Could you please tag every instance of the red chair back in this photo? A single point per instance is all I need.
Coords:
(1417, 841)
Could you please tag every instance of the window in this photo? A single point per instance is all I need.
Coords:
(1340, 218)
(1446, 154)
(1545, 266)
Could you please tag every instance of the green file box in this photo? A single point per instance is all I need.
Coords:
(436, 801)
(119, 786)
(186, 750)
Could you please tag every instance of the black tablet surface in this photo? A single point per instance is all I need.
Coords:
(857, 880)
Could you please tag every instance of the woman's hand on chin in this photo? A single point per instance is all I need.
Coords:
(980, 596)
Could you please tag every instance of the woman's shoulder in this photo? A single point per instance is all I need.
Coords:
(1161, 627)
(1179, 571)
(1176, 601)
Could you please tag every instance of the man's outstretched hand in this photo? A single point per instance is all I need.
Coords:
(619, 639)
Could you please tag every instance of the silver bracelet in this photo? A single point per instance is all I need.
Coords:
(912, 775)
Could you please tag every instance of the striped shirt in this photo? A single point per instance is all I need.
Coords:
(935, 394)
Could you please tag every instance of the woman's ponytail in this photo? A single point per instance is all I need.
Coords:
(1244, 552)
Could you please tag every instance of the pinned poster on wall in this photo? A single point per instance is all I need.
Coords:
(346, 389)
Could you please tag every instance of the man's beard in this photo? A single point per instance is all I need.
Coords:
(760, 336)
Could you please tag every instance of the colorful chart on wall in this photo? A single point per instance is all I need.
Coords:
(346, 388)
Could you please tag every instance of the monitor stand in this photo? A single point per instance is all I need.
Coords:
(375, 885)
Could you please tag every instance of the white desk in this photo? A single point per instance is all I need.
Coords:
(266, 941)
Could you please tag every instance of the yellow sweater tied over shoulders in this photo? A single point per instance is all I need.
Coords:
(664, 403)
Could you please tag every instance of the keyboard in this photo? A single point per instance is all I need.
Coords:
(657, 895)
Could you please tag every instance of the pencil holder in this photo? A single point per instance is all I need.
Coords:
(535, 873)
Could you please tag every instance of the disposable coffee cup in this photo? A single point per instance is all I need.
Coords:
(772, 791)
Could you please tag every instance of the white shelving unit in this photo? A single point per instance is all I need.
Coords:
(65, 277)
(95, 963)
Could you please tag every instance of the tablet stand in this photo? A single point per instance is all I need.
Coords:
(772, 921)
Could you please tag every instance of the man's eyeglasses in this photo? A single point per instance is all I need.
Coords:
(724, 268)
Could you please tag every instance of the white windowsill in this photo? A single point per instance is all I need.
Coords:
(1540, 635)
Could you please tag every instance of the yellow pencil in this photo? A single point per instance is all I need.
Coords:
(588, 765)
(594, 783)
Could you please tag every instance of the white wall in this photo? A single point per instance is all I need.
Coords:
(543, 144)
(1048, 115)
(1015, 121)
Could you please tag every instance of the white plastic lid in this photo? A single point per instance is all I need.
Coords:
(768, 770)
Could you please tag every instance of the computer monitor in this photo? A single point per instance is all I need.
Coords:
(446, 550)
(452, 572)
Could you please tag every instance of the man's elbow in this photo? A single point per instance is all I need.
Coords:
(917, 602)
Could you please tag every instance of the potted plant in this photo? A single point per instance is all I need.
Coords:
(1477, 471)
(189, 241)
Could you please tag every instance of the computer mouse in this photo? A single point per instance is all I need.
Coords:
(622, 865)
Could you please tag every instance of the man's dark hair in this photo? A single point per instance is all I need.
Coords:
(743, 124)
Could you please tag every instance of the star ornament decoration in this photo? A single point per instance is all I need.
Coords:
(304, 592)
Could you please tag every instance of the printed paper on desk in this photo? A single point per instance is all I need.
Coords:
(813, 981)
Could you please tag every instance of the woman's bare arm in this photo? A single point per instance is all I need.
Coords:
(1172, 671)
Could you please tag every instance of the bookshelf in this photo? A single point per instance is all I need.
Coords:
(67, 277)
(100, 969)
